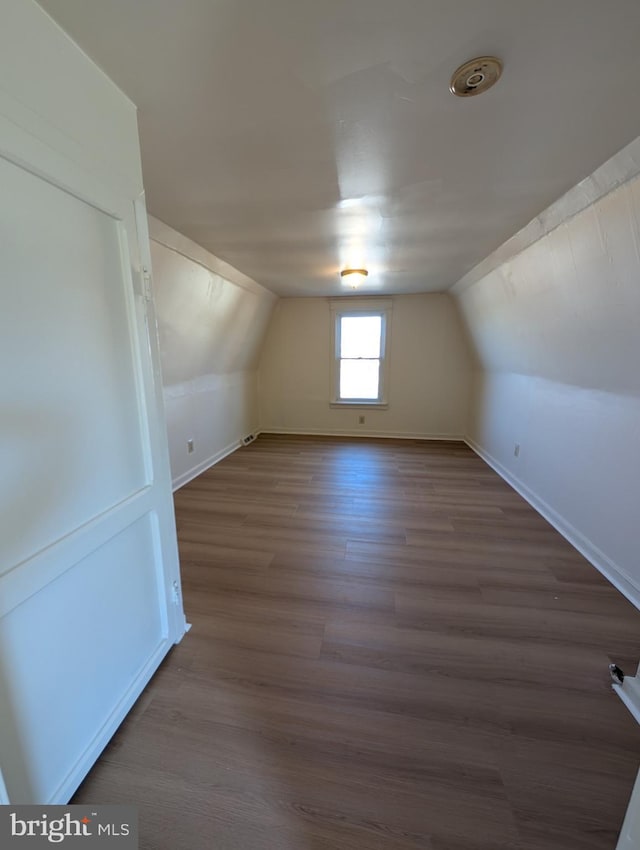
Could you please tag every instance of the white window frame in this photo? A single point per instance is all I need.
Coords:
(346, 308)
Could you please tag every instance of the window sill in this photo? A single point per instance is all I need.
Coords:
(377, 405)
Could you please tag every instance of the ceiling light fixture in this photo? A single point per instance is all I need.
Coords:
(354, 276)
(475, 76)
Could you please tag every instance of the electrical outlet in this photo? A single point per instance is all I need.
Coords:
(516, 450)
(189, 446)
(360, 420)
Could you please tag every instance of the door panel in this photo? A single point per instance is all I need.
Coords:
(64, 686)
(64, 339)
(89, 581)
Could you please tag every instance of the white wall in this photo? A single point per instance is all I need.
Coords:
(556, 327)
(429, 372)
(211, 322)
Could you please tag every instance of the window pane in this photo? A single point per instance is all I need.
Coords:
(360, 336)
(359, 378)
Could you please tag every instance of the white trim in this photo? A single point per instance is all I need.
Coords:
(296, 432)
(25, 579)
(72, 780)
(351, 402)
(21, 143)
(609, 569)
(341, 308)
(201, 467)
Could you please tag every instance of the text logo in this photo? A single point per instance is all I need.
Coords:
(102, 827)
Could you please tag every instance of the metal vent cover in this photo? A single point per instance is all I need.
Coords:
(475, 76)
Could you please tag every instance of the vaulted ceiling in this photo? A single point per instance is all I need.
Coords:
(294, 137)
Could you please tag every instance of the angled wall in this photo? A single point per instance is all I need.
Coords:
(211, 323)
(554, 317)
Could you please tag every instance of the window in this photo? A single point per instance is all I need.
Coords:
(360, 345)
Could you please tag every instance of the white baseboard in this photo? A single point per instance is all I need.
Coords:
(69, 785)
(629, 838)
(323, 432)
(609, 569)
(192, 473)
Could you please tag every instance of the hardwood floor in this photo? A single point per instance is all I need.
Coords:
(390, 650)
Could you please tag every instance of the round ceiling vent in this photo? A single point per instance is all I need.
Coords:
(476, 76)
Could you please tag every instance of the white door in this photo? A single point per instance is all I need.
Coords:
(630, 834)
(89, 578)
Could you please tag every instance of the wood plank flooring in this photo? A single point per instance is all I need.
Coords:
(390, 650)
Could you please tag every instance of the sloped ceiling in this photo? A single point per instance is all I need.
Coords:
(293, 137)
